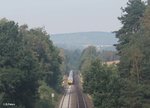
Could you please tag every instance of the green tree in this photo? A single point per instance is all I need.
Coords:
(145, 44)
(131, 20)
(18, 67)
(27, 56)
(38, 41)
(88, 54)
(104, 85)
(133, 53)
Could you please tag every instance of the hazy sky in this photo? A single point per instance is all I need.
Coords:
(61, 16)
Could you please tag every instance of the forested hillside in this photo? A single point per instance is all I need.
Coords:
(81, 40)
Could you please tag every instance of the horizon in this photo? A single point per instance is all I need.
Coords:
(83, 32)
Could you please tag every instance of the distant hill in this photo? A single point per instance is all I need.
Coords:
(80, 40)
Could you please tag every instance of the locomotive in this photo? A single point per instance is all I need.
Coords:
(70, 78)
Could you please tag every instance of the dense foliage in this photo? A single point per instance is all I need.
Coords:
(92, 53)
(134, 54)
(100, 81)
(27, 56)
(128, 84)
(104, 85)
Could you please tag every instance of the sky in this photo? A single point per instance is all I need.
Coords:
(65, 16)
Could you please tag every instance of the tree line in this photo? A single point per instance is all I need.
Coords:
(126, 85)
(29, 66)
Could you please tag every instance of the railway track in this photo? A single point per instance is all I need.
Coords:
(66, 99)
(81, 102)
(78, 99)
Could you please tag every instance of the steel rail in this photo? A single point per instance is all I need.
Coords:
(63, 98)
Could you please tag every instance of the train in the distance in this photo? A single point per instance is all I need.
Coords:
(70, 78)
